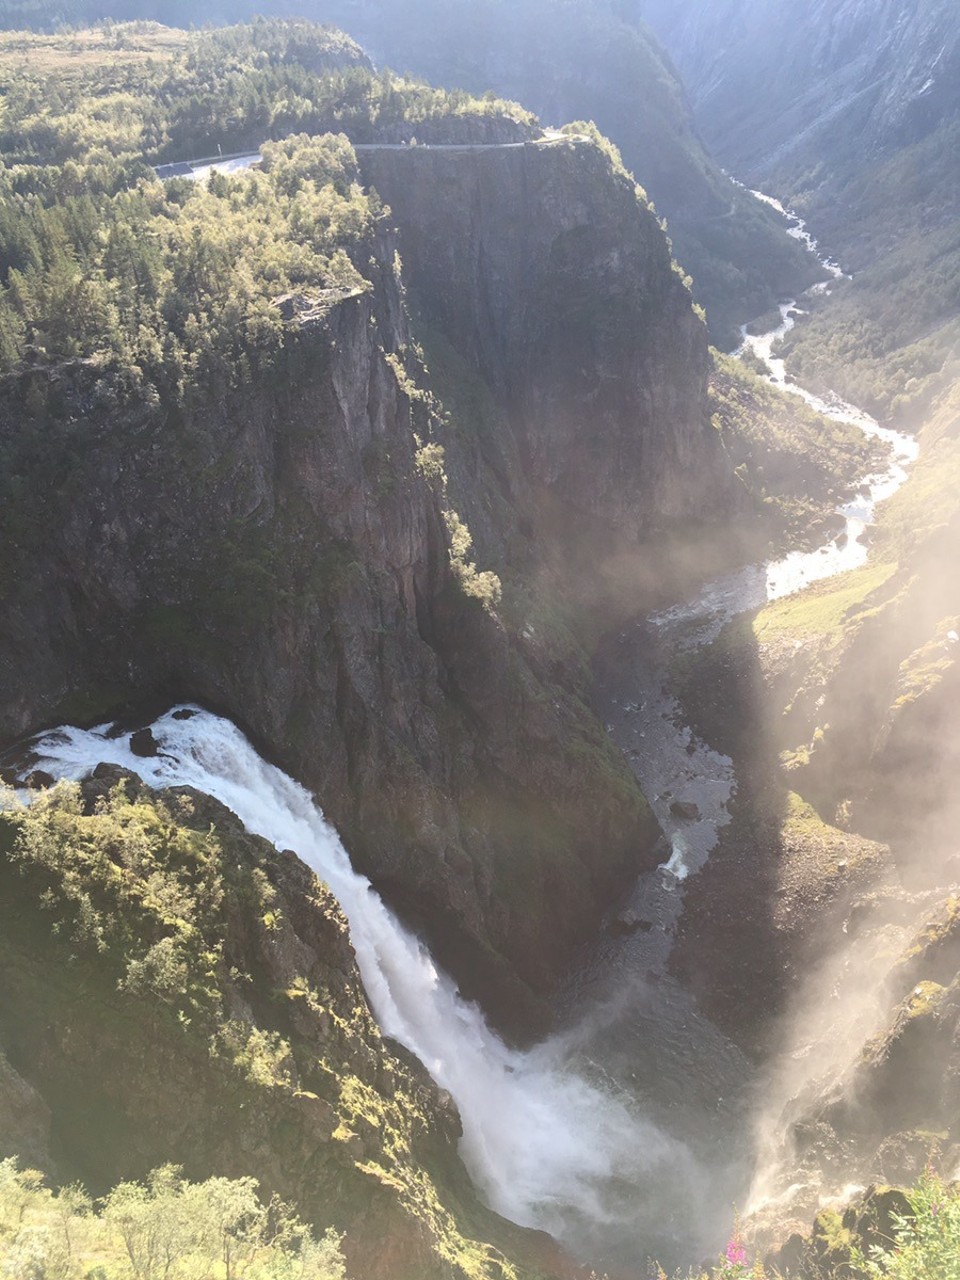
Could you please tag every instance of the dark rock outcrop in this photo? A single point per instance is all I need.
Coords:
(143, 743)
(685, 810)
(282, 554)
(545, 271)
(866, 1224)
(38, 780)
(25, 1121)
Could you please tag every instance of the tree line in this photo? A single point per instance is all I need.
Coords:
(177, 280)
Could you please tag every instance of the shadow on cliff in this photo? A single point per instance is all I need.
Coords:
(729, 951)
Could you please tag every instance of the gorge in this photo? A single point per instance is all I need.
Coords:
(398, 461)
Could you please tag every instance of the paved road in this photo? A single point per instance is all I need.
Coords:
(233, 164)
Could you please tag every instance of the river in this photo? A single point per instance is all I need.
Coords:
(634, 1016)
(624, 1133)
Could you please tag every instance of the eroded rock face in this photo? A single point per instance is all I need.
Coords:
(278, 553)
(547, 274)
(24, 1121)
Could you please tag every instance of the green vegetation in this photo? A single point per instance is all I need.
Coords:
(208, 1010)
(895, 617)
(926, 506)
(821, 611)
(178, 283)
(136, 886)
(936, 934)
(161, 95)
(923, 669)
(913, 534)
(482, 585)
(889, 340)
(176, 293)
(584, 59)
(795, 462)
(588, 129)
(926, 1242)
(164, 1229)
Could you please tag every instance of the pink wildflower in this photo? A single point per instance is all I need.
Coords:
(736, 1253)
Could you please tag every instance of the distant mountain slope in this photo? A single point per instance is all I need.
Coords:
(840, 80)
(850, 111)
(595, 60)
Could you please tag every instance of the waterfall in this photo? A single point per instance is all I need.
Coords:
(545, 1146)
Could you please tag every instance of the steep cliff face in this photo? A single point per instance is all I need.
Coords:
(284, 555)
(550, 277)
(595, 60)
(836, 82)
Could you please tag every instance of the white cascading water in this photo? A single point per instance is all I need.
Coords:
(546, 1147)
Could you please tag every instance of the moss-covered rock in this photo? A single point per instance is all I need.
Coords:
(177, 991)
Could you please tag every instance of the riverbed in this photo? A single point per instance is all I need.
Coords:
(648, 1035)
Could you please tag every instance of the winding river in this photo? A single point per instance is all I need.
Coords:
(694, 1082)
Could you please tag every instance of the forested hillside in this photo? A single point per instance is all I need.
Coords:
(589, 60)
(178, 993)
(290, 478)
(177, 279)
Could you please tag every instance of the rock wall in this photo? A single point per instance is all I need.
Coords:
(277, 552)
(550, 276)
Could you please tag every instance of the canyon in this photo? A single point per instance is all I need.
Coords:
(623, 671)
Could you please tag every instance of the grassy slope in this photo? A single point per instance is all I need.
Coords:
(796, 464)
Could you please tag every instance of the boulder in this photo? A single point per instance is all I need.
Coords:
(686, 810)
(628, 922)
(144, 744)
(790, 1259)
(39, 780)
